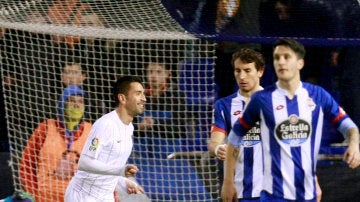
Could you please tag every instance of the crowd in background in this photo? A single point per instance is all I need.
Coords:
(44, 57)
(325, 64)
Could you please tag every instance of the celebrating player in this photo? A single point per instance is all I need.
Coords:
(103, 159)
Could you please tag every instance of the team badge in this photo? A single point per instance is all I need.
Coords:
(311, 104)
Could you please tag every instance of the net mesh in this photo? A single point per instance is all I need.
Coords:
(109, 39)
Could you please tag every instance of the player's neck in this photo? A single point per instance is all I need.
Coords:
(290, 86)
(124, 116)
(248, 94)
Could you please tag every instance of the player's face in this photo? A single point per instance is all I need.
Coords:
(286, 63)
(247, 76)
(135, 99)
(72, 75)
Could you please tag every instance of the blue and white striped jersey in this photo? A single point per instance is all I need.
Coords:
(291, 131)
(249, 167)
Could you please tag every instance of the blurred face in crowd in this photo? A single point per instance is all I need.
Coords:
(157, 76)
(282, 10)
(72, 75)
(75, 107)
(247, 76)
(287, 64)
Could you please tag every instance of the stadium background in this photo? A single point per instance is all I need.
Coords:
(323, 26)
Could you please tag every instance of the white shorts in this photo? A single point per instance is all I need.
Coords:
(74, 195)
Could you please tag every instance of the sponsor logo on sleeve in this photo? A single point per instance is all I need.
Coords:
(94, 144)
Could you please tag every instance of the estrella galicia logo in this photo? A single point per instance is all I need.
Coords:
(293, 131)
(252, 137)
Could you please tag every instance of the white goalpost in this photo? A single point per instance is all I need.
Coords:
(110, 39)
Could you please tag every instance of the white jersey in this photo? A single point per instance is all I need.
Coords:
(110, 142)
(249, 166)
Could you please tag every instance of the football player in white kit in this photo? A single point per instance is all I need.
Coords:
(103, 160)
(291, 115)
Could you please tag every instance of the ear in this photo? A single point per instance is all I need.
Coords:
(260, 72)
(301, 63)
(121, 98)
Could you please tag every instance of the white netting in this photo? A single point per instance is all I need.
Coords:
(109, 39)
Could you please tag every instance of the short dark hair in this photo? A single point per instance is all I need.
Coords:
(248, 55)
(122, 85)
(294, 45)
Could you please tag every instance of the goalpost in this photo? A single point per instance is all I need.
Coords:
(110, 39)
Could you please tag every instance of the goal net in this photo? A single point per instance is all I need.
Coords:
(41, 41)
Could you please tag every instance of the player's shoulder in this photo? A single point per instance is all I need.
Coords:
(308, 85)
(227, 99)
(313, 88)
(265, 91)
(107, 118)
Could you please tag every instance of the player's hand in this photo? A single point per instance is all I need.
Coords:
(352, 155)
(131, 170)
(228, 192)
(133, 188)
(221, 152)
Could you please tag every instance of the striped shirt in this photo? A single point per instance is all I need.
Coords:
(248, 175)
(291, 132)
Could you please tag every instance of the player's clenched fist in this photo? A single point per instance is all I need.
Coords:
(131, 170)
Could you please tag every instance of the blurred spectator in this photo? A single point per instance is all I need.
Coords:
(73, 73)
(243, 21)
(72, 12)
(165, 110)
(50, 157)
